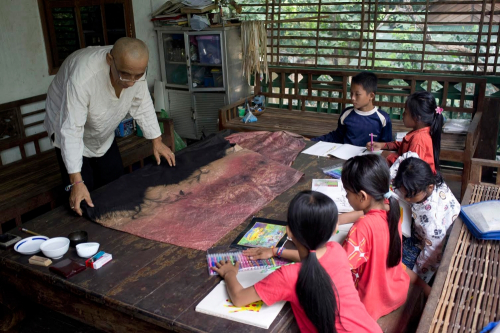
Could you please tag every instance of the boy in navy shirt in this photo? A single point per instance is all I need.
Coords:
(356, 123)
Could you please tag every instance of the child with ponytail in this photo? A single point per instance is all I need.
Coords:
(319, 288)
(373, 245)
(425, 118)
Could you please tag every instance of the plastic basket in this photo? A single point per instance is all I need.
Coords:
(125, 128)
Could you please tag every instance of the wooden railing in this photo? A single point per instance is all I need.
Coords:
(327, 91)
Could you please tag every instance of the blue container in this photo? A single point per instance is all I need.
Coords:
(209, 81)
(209, 49)
(125, 128)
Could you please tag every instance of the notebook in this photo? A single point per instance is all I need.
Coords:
(405, 211)
(341, 234)
(217, 303)
(342, 151)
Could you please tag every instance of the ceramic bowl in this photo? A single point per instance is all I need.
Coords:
(55, 248)
(87, 250)
(30, 245)
(77, 237)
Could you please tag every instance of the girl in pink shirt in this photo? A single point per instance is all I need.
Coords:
(373, 245)
(319, 288)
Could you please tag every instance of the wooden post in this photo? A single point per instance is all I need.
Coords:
(487, 147)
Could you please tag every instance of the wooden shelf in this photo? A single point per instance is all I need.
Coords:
(206, 65)
(225, 25)
(187, 10)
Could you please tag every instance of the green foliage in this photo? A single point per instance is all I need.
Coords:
(338, 41)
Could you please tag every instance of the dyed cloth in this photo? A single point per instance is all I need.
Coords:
(282, 147)
(197, 202)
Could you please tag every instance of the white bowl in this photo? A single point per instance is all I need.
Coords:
(55, 248)
(87, 250)
(30, 245)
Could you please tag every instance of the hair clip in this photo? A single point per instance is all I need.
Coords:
(439, 110)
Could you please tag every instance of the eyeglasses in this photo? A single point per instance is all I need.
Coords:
(130, 80)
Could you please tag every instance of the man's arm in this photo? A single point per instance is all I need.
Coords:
(74, 116)
(142, 109)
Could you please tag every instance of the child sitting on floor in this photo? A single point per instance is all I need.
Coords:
(424, 117)
(356, 123)
(373, 245)
(434, 209)
(319, 288)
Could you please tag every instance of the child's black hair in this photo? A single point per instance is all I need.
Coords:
(422, 107)
(366, 79)
(415, 175)
(370, 173)
(312, 218)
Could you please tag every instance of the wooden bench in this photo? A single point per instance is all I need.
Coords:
(308, 102)
(465, 295)
(35, 179)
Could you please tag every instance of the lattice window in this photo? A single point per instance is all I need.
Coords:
(415, 36)
(71, 25)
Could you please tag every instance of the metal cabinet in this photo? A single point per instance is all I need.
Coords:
(202, 71)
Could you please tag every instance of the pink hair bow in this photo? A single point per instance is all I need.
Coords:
(439, 110)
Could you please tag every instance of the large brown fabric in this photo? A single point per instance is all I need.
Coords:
(282, 147)
(201, 209)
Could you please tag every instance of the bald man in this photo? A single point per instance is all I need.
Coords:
(92, 92)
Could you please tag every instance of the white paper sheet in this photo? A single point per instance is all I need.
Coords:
(216, 303)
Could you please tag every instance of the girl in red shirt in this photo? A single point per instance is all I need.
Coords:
(424, 117)
(319, 288)
(373, 245)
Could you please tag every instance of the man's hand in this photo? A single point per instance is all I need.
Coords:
(79, 192)
(159, 149)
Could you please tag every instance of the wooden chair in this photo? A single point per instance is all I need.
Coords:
(35, 180)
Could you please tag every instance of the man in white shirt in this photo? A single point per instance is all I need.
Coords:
(92, 92)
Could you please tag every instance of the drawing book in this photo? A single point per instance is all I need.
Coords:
(342, 151)
(217, 303)
(222, 253)
(261, 232)
(335, 190)
(405, 211)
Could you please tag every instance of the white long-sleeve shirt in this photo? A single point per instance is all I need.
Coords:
(82, 109)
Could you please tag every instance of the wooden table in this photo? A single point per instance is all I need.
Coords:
(465, 295)
(149, 286)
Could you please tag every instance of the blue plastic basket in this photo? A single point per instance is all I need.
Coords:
(474, 230)
(125, 128)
